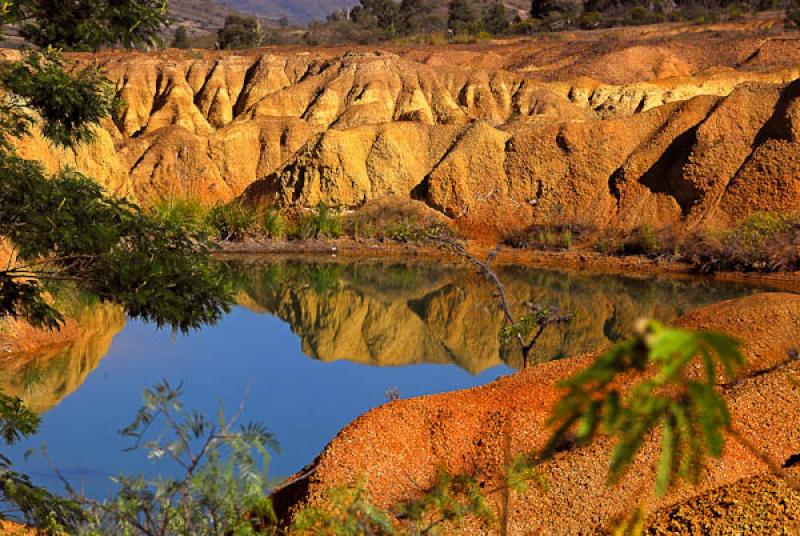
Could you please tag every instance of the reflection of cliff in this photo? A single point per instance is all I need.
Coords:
(390, 315)
(45, 377)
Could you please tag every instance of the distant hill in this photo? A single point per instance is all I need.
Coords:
(199, 16)
(303, 11)
(296, 11)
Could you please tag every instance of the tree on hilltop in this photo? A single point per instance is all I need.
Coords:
(382, 14)
(415, 16)
(495, 19)
(181, 38)
(461, 16)
(240, 32)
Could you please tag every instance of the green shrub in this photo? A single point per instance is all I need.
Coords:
(556, 237)
(240, 32)
(737, 11)
(181, 38)
(591, 20)
(232, 221)
(793, 18)
(566, 239)
(753, 234)
(644, 240)
(675, 16)
(641, 15)
(182, 213)
(321, 223)
(272, 224)
(363, 228)
(410, 231)
(762, 242)
(609, 242)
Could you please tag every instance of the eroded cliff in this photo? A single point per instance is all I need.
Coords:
(668, 124)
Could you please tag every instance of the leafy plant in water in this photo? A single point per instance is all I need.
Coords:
(528, 327)
(690, 412)
(223, 488)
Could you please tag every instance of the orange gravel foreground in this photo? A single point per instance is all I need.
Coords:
(398, 447)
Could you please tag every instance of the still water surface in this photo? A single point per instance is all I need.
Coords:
(312, 345)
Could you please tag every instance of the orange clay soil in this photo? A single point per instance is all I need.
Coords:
(398, 447)
(9, 528)
(758, 505)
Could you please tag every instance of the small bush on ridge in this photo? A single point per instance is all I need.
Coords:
(321, 223)
(232, 221)
(558, 237)
(182, 213)
(272, 224)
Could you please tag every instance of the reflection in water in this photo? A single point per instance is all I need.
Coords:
(44, 379)
(397, 314)
(390, 314)
(358, 315)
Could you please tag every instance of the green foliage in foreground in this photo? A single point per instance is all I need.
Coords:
(88, 24)
(346, 510)
(19, 497)
(66, 228)
(69, 101)
(223, 487)
(349, 510)
(689, 410)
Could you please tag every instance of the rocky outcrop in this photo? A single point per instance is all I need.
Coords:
(669, 126)
(476, 430)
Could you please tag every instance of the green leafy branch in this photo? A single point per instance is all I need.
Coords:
(223, 488)
(689, 410)
(526, 329)
(20, 498)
